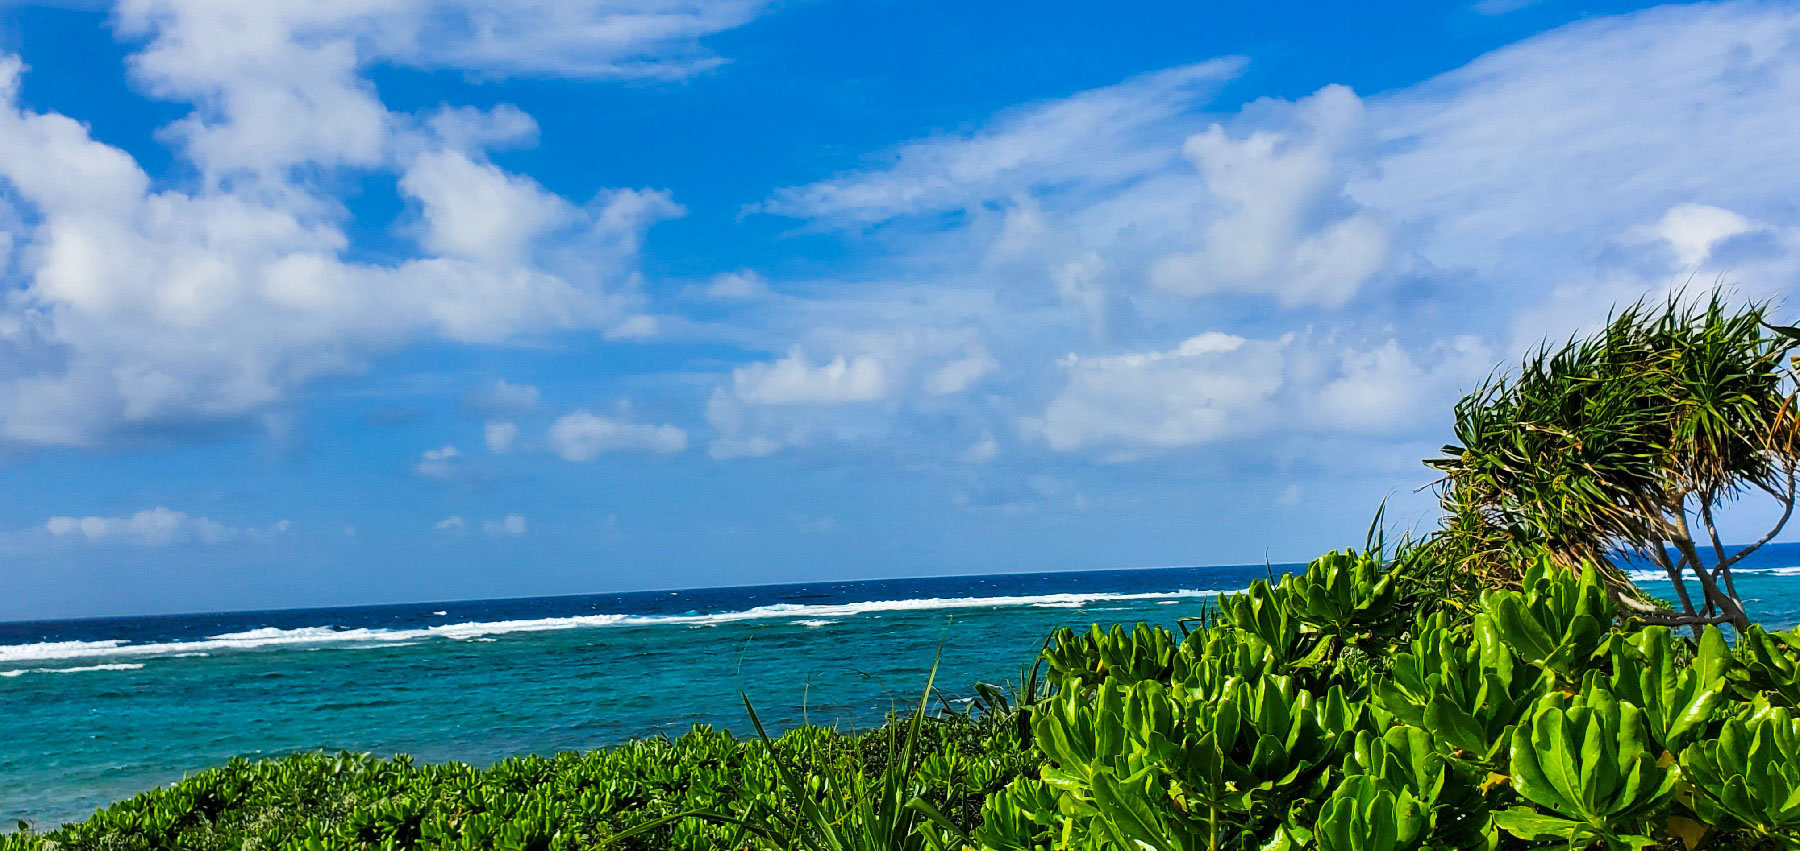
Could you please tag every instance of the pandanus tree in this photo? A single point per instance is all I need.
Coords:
(1630, 441)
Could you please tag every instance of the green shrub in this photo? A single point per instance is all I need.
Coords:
(1541, 719)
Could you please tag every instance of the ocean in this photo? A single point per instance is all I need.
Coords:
(94, 711)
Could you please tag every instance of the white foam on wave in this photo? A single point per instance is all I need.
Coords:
(1661, 576)
(123, 666)
(249, 640)
(57, 650)
(811, 614)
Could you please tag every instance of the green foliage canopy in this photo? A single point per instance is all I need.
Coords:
(1630, 439)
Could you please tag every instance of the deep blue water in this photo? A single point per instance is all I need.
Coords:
(93, 711)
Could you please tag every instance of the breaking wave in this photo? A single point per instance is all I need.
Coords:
(130, 666)
(803, 614)
(1660, 576)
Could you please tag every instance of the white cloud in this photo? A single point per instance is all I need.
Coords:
(795, 380)
(1218, 387)
(500, 436)
(1285, 228)
(282, 82)
(583, 436)
(452, 524)
(1687, 249)
(1209, 388)
(1094, 136)
(1377, 256)
(735, 286)
(852, 394)
(1387, 388)
(156, 527)
(1692, 230)
(465, 128)
(477, 212)
(438, 463)
(636, 327)
(1520, 174)
(194, 305)
(512, 525)
(961, 374)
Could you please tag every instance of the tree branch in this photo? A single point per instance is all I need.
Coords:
(1672, 619)
(1727, 605)
(1787, 501)
(1713, 533)
(1661, 554)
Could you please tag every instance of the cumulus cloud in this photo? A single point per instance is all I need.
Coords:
(1285, 228)
(583, 436)
(1375, 256)
(450, 525)
(793, 380)
(847, 395)
(141, 307)
(156, 527)
(1217, 387)
(1124, 270)
(1208, 388)
(1691, 231)
(475, 211)
(282, 82)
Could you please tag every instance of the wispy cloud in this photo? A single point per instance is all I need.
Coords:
(1092, 138)
(155, 527)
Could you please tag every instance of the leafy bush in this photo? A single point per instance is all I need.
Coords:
(1540, 719)
(632, 797)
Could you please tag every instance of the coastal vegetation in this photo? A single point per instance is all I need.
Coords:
(1495, 684)
(1630, 440)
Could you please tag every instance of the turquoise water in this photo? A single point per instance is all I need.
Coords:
(95, 711)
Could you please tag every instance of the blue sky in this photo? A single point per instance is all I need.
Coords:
(338, 302)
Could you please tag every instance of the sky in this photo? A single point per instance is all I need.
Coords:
(320, 302)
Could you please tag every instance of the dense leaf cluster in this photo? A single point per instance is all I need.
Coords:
(637, 797)
(1629, 438)
(1303, 718)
